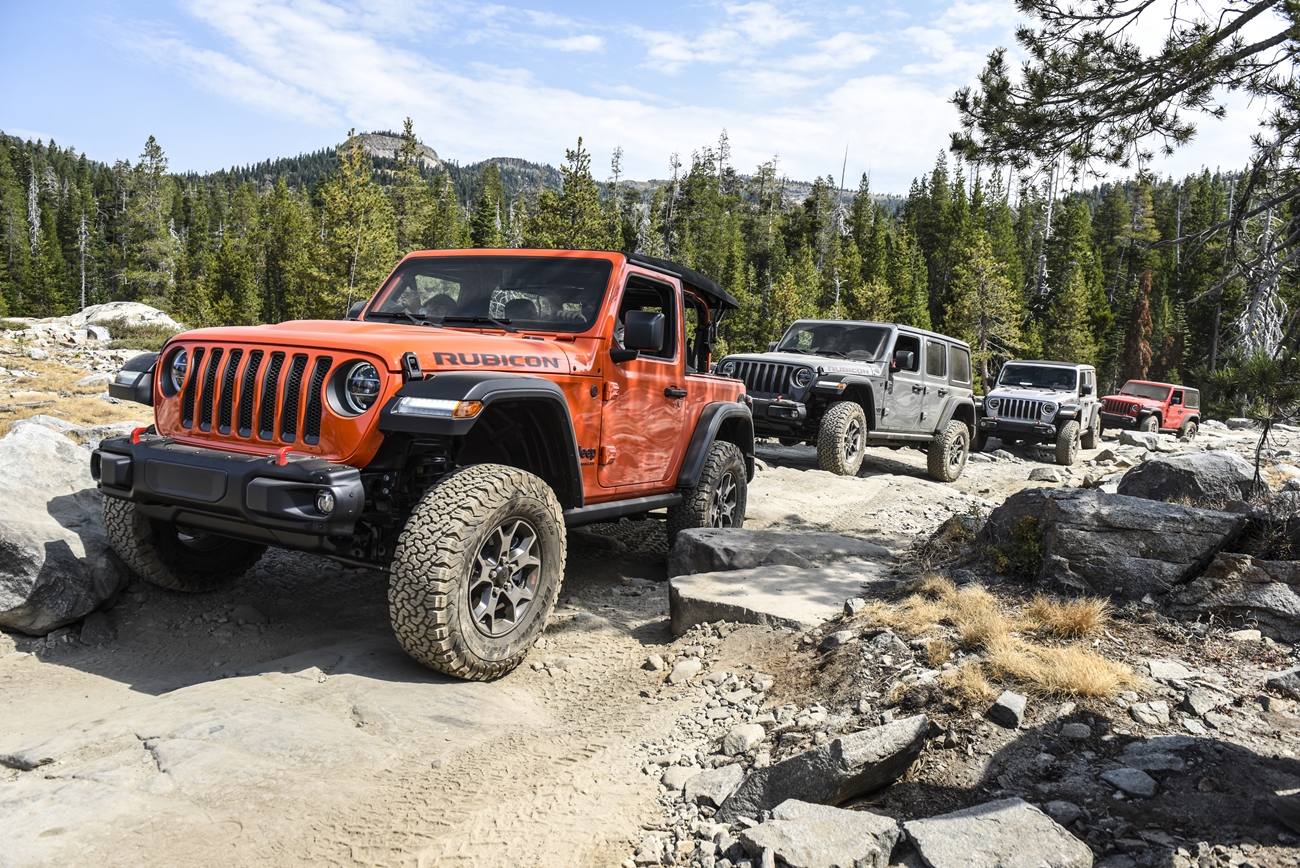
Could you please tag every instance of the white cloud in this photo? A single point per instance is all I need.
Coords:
(841, 51)
(749, 26)
(586, 42)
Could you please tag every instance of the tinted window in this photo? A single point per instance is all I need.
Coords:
(526, 292)
(1145, 390)
(1193, 399)
(1038, 377)
(959, 364)
(935, 357)
(653, 297)
(909, 344)
(1177, 398)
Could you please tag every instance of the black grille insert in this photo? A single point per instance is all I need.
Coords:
(292, 392)
(191, 386)
(209, 390)
(765, 378)
(266, 414)
(228, 392)
(246, 393)
(312, 415)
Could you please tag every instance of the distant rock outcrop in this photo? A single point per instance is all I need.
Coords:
(388, 146)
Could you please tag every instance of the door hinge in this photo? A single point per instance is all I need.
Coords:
(608, 454)
(611, 391)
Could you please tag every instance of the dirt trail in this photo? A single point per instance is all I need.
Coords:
(306, 736)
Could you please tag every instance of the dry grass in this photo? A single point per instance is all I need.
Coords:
(1070, 619)
(56, 381)
(1069, 670)
(983, 626)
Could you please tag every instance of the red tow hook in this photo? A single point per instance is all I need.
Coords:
(282, 456)
(135, 435)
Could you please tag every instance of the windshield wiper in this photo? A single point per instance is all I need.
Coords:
(406, 314)
(793, 350)
(832, 353)
(483, 320)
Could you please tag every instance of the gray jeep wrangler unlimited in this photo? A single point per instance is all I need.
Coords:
(1044, 402)
(844, 385)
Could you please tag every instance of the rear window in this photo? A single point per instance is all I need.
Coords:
(935, 357)
(959, 364)
(1193, 399)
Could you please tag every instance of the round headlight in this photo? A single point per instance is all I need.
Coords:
(727, 369)
(1049, 409)
(992, 403)
(803, 377)
(180, 364)
(361, 387)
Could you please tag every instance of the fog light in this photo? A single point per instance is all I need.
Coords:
(325, 502)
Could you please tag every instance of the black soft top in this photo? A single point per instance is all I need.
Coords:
(716, 295)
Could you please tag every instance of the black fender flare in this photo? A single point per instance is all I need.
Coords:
(951, 412)
(855, 385)
(494, 389)
(740, 424)
(137, 388)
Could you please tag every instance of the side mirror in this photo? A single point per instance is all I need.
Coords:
(905, 360)
(771, 346)
(643, 330)
(356, 310)
(1086, 390)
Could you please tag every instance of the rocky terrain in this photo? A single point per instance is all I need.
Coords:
(748, 699)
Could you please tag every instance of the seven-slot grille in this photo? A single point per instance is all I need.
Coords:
(282, 393)
(1019, 408)
(766, 378)
(1118, 407)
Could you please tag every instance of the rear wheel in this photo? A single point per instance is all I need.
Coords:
(947, 454)
(1150, 425)
(979, 440)
(842, 439)
(1188, 431)
(477, 571)
(175, 558)
(720, 497)
(1067, 444)
(1091, 438)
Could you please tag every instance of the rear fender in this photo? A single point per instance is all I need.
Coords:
(720, 420)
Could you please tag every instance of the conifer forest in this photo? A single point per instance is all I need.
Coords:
(1022, 267)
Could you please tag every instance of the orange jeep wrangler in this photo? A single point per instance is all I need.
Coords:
(447, 432)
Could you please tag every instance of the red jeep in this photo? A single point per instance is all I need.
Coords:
(447, 433)
(1153, 407)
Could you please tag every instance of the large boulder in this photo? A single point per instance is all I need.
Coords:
(1266, 593)
(838, 770)
(54, 558)
(818, 836)
(1110, 544)
(129, 312)
(1008, 832)
(777, 596)
(1196, 477)
(708, 550)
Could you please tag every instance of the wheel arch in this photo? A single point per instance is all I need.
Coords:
(719, 420)
(511, 404)
(961, 411)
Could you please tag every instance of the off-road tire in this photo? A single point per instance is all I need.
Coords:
(434, 569)
(1067, 444)
(1091, 438)
(789, 441)
(979, 440)
(1188, 431)
(842, 439)
(1150, 425)
(720, 497)
(946, 457)
(162, 555)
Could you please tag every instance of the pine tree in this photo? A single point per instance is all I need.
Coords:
(447, 228)
(409, 193)
(1136, 359)
(360, 243)
(986, 309)
(486, 219)
(150, 243)
(285, 239)
(571, 219)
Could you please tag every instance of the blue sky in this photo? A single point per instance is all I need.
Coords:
(222, 82)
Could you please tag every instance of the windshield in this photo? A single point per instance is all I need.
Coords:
(524, 292)
(1143, 390)
(1039, 377)
(836, 339)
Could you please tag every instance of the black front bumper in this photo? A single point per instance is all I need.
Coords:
(1018, 428)
(1121, 420)
(777, 417)
(249, 497)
